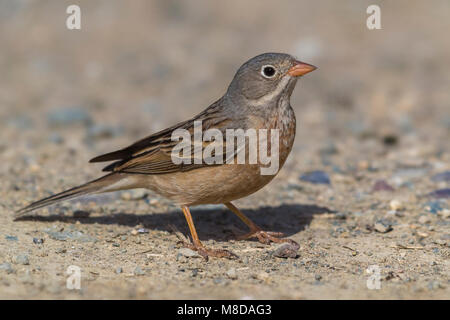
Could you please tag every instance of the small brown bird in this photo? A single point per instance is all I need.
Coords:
(257, 98)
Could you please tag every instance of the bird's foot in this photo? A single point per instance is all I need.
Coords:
(206, 252)
(266, 237)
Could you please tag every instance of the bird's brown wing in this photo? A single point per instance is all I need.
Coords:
(143, 145)
(155, 162)
(153, 154)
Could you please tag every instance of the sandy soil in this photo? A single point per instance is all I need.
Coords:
(374, 119)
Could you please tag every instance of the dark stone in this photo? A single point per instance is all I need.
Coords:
(38, 241)
(390, 140)
(316, 177)
(442, 176)
(440, 193)
(69, 116)
(287, 250)
(381, 185)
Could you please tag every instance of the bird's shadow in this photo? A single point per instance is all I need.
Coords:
(216, 223)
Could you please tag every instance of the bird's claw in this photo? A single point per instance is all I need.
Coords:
(266, 237)
(206, 252)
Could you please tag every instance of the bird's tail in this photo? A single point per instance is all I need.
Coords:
(102, 184)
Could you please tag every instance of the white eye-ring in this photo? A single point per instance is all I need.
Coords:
(268, 71)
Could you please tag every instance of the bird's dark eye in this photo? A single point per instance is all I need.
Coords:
(268, 71)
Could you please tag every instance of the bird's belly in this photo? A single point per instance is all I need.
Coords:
(224, 183)
(213, 184)
(209, 185)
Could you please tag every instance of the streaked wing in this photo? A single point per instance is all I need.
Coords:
(153, 154)
(155, 162)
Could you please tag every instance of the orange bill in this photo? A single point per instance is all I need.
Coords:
(300, 68)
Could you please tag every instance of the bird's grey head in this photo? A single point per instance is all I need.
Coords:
(267, 77)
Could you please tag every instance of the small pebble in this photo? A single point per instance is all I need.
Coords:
(440, 242)
(20, 122)
(329, 149)
(26, 278)
(69, 235)
(390, 139)
(263, 276)
(138, 271)
(231, 273)
(186, 252)
(136, 194)
(382, 185)
(286, 250)
(125, 196)
(382, 226)
(38, 240)
(433, 285)
(218, 280)
(316, 177)
(21, 259)
(118, 270)
(55, 138)
(424, 219)
(396, 205)
(68, 116)
(444, 213)
(6, 267)
(102, 131)
(433, 206)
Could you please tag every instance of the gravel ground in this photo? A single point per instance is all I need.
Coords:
(367, 184)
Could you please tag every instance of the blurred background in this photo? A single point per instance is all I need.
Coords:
(372, 146)
(135, 68)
